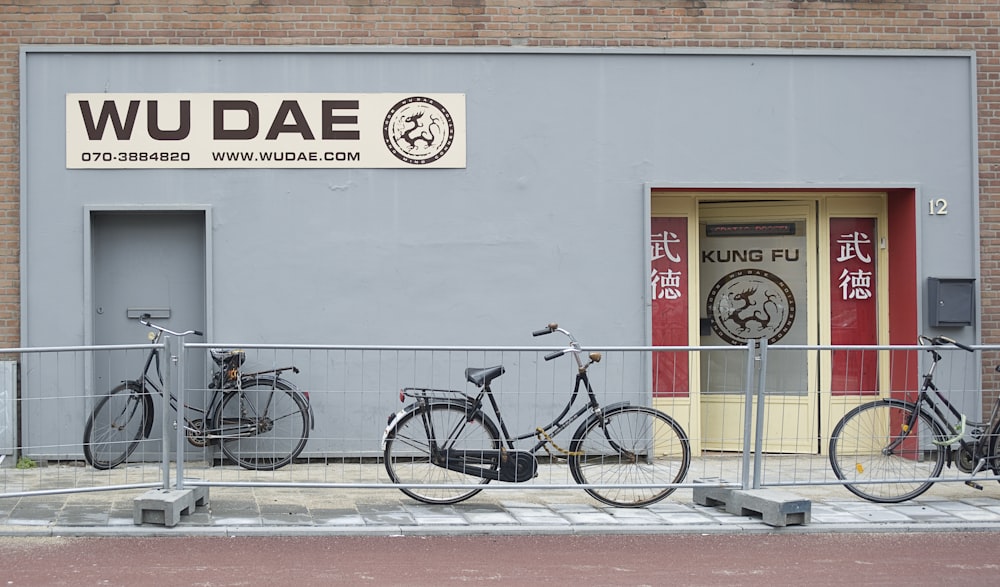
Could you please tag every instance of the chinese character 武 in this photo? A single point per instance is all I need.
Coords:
(850, 247)
(661, 246)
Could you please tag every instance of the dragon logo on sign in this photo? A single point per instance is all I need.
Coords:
(751, 304)
(418, 130)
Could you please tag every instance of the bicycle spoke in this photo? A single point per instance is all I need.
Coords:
(408, 452)
(640, 450)
(253, 439)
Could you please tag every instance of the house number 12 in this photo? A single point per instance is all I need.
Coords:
(938, 207)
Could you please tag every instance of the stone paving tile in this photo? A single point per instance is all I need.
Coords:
(522, 504)
(920, 512)
(198, 518)
(967, 512)
(688, 518)
(540, 516)
(665, 506)
(738, 520)
(389, 519)
(637, 516)
(982, 501)
(589, 518)
(277, 519)
(573, 508)
(81, 518)
(834, 518)
(979, 516)
(489, 518)
(880, 515)
(426, 509)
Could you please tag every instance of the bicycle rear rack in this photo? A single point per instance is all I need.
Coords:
(430, 393)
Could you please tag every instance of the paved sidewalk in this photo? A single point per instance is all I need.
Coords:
(501, 508)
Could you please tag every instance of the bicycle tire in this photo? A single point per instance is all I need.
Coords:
(994, 450)
(118, 423)
(860, 450)
(636, 446)
(263, 425)
(408, 458)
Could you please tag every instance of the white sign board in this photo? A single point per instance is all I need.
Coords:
(238, 130)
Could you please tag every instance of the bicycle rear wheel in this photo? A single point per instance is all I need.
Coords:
(264, 425)
(994, 450)
(888, 462)
(630, 445)
(113, 431)
(410, 459)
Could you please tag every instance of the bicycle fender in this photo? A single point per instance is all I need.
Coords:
(394, 418)
(138, 386)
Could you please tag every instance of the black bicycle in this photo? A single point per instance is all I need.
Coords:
(893, 450)
(259, 419)
(629, 455)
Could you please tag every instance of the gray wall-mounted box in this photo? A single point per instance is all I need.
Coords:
(951, 302)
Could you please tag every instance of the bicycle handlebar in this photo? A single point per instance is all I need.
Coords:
(574, 346)
(144, 320)
(547, 330)
(943, 340)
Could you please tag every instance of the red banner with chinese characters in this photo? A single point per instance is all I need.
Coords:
(853, 305)
(669, 283)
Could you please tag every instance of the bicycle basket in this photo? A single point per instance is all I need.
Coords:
(228, 358)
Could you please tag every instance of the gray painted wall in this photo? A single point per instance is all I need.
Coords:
(548, 220)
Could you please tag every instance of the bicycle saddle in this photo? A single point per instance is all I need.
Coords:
(482, 376)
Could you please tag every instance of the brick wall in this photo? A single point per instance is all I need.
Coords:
(962, 24)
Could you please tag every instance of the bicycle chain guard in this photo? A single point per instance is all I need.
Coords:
(518, 466)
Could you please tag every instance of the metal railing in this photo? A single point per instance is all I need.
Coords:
(793, 395)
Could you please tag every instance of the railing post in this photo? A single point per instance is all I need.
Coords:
(180, 385)
(759, 430)
(747, 411)
(168, 382)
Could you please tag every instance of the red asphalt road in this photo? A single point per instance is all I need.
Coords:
(750, 559)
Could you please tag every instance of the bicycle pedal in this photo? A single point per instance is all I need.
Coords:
(974, 485)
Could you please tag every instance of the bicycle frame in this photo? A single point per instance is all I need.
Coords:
(208, 413)
(935, 405)
(458, 459)
(621, 454)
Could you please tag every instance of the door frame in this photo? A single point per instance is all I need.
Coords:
(88, 270)
(897, 221)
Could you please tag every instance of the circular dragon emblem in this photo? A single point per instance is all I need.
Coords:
(751, 303)
(418, 130)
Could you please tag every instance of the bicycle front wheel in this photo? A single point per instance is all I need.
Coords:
(113, 431)
(415, 452)
(263, 425)
(886, 459)
(634, 450)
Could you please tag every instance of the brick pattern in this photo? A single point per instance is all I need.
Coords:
(802, 24)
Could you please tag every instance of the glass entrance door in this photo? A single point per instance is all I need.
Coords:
(757, 280)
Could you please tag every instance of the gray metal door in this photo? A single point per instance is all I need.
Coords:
(147, 262)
